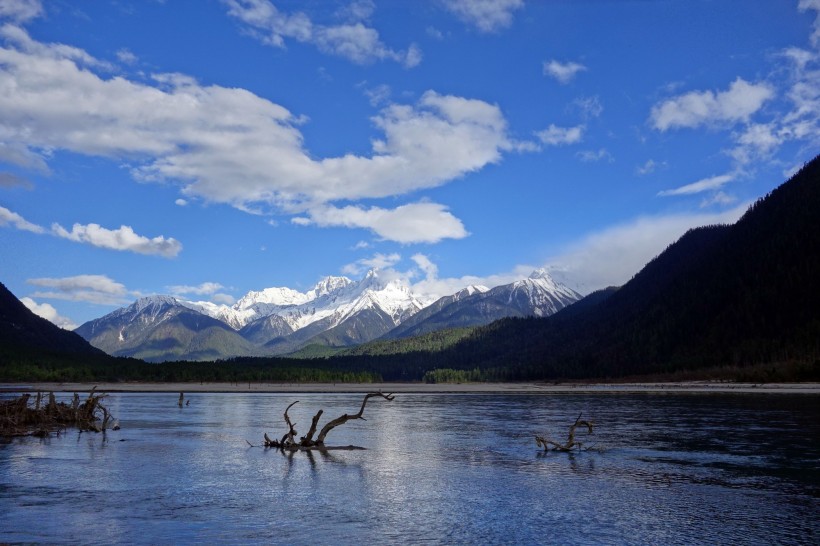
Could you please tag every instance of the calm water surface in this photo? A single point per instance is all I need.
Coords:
(664, 469)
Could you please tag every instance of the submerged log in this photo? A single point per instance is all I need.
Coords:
(544, 442)
(306, 442)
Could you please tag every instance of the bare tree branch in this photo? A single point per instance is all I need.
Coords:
(544, 442)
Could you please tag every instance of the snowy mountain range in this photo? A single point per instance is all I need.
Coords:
(336, 312)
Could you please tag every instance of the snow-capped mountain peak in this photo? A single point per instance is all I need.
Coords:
(329, 285)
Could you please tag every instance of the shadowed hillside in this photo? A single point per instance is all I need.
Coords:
(739, 295)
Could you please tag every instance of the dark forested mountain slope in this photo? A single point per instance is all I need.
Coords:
(22, 330)
(736, 295)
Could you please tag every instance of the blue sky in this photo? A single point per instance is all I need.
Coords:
(205, 148)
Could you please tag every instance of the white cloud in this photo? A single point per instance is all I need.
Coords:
(609, 257)
(757, 141)
(126, 56)
(705, 184)
(589, 107)
(359, 10)
(649, 167)
(8, 217)
(223, 299)
(352, 40)
(431, 287)
(20, 10)
(720, 198)
(48, 312)
(805, 5)
(696, 108)
(612, 256)
(485, 15)
(424, 263)
(97, 289)
(377, 261)
(379, 95)
(594, 156)
(123, 238)
(205, 288)
(210, 289)
(181, 202)
(200, 136)
(563, 72)
(558, 136)
(18, 154)
(412, 223)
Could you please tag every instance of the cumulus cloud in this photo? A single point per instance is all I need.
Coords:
(563, 72)
(412, 223)
(97, 289)
(20, 10)
(123, 238)
(486, 15)
(200, 136)
(697, 108)
(48, 312)
(8, 217)
(558, 136)
(352, 40)
(705, 184)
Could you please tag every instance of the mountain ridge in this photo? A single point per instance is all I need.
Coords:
(336, 312)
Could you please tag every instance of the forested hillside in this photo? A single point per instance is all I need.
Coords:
(741, 295)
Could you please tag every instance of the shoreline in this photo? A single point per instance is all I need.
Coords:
(700, 387)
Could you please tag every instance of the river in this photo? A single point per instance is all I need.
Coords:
(437, 469)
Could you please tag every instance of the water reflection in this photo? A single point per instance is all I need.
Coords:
(437, 468)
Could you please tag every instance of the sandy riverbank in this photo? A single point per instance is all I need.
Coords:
(498, 388)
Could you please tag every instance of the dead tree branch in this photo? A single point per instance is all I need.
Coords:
(544, 442)
(306, 442)
(17, 418)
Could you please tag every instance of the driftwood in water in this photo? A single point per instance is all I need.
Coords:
(541, 441)
(306, 442)
(19, 418)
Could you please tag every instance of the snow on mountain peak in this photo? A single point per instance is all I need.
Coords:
(148, 301)
(540, 273)
(329, 285)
